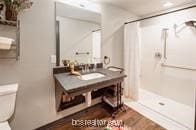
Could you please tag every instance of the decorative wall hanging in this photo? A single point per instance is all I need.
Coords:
(13, 7)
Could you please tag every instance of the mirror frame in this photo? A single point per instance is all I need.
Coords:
(57, 43)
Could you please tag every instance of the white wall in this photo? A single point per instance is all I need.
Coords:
(35, 104)
(172, 83)
(76, 36)
(113, 33)
(96, 46)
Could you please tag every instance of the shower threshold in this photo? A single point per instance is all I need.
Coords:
(166, 112)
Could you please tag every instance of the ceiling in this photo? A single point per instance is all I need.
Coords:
(65, 10)
(144, 7)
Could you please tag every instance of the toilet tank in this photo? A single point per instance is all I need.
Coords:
(7, 101)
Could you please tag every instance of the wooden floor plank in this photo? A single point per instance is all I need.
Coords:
(132, 120)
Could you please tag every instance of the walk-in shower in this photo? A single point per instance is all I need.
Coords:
(161, 67)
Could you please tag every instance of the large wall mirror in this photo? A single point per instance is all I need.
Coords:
(78, 35)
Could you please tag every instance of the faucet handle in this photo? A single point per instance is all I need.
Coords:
(81, 66)
(94, 66)
(87, 67)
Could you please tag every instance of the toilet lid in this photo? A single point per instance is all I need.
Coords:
(4, 126)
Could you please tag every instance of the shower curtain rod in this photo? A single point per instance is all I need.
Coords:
(96, 30)
(177, 10)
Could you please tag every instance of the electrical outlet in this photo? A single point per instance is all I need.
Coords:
(53, 59)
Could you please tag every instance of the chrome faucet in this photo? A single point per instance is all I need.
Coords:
(87, 67)
(94, 67)
(82, 66)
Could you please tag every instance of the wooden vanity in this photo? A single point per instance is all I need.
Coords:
(70, 86)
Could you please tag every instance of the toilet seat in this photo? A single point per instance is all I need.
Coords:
(4, 126)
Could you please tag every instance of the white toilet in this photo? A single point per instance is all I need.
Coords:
(7, 104)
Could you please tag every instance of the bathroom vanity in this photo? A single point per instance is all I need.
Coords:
(71, 86)
(78, 41)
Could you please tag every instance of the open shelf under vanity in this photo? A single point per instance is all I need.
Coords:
(81, 99)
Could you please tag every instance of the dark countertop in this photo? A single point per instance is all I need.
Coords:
(71, 83)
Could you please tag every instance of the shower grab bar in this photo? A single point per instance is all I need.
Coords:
(165, 55)
(177, 67)
(165, 42)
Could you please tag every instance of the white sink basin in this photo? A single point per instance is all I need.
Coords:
(91, 76)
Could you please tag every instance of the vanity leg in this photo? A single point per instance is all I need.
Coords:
(117, 96)
(120, 87)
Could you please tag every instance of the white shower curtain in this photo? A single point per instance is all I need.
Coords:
(132, 60)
